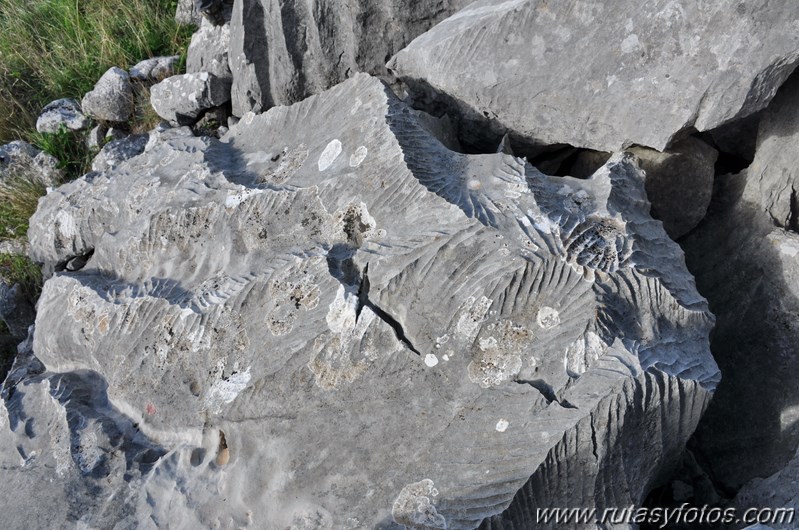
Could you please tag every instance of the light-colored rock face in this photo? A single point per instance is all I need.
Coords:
(330, 320)
(111, 99)
(155, 69)
(117, 151)
(181, 99)
(21, 159)
(606, 76)
(282, 52)
(61, 112)
(209, 49)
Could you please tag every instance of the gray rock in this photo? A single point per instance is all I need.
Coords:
(209, 49)
(155, 69)
(606, 76)
(679, 183)
(340, 323)
(749, 270)
(111, 99)
(779, 492)
(16, 309)
(95, 139)
(117, 151)
(181, 99)
(61, 112)
(282, 52)
(21, 159)
(186, 13)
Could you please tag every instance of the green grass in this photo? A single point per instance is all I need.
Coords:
(19, 269)
(51, 49)
(19, 196)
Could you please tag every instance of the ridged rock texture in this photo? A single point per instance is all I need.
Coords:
(745, 257)
(282, 52)
(606, 75)
(328, 319)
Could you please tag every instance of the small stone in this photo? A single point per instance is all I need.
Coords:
(111, 100)
(61, 112)
(20, 158)
(155, 69)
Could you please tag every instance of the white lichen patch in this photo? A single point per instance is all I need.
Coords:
(226, 388)
(497, 355)
(329, 155)
(430, 360)
(548, 317)
(415, 506)
(357, 158)
(502, 425)
(582, 353)
(473, 313)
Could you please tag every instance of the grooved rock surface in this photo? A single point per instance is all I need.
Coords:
(282, 52)
(328, 319)
(749, 270)
(606, 76)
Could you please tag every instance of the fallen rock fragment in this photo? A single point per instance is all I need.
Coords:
(339, 322)
(61, 112)
(604, 76)
(209, 50)
(19, 159)
(181, 99)
(155, 69)
(111, 99)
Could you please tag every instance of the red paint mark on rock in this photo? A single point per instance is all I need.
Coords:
(150, 409)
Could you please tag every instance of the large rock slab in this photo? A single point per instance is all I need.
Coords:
(606, 76)
(748, 267)
(181, 99)
(282, 52)
(328, 319)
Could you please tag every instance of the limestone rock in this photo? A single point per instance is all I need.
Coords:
(155, 69)
(21, 159)
(181, 99)
(679, 183)
(749, 270)
(328, 319)
(117, 151)
(606, 76)
(780, 491)
(111, 99)
(186, 13)
(209, 49)
(282, 52)
(61, 112)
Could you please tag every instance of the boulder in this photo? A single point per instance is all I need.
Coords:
(282, 52)
(605, 76)
(21, 159)
(181, 99)
(209, 50)
(61, 113)
(328, 319)
(111, 99)
(155, 69)
(117, 151)
(748, 267)
(679, 183)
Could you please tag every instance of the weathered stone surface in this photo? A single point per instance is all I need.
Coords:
(111, 99)
(282, 52)
(117, 151)
(155, 69)
(606, 76)
(61, 112)
(679, 183)
(16, 310)
(780, 491)
(209, 50)
(21, 159)
(186, 13)
(181, 99)
(749, 270)
(327, 319)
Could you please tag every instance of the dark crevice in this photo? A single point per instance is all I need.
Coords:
(793, 218)
(547, 391)
(74, 263)
(363, 301)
